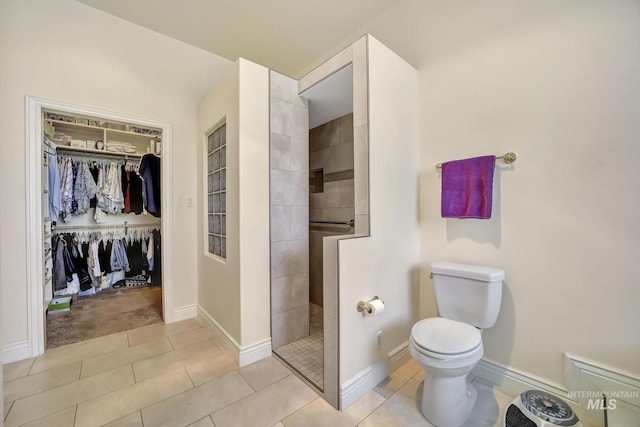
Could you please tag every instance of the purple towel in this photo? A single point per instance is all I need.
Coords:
(467, 188)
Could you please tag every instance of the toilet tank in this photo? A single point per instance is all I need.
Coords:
(467, 293)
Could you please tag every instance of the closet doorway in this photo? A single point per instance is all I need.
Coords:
(98, 254)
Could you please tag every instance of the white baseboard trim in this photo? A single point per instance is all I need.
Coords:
(513, 381)
(356, 387)
(254, 352)
(185, 312)
(242, 355)
(585, 377)
(399, 356)
(16, 351)
(582, 375)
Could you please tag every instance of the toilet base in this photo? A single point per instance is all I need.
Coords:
(448, 401)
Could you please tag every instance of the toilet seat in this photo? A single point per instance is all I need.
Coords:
(445, 338)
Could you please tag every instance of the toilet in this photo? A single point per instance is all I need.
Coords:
(447, 347)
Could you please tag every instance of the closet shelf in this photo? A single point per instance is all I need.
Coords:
(115, 128)
(87, 132)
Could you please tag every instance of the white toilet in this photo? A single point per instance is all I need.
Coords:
(447, 347)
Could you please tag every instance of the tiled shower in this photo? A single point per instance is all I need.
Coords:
(289, 200)
(312, 196)
(331, 204)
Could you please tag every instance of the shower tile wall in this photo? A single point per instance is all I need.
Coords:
(289, 154)
(330, 149)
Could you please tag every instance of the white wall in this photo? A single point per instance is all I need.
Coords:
(219, 280)
(255, 283)
(66, 51)
(233, 294)
(387, 263)
(559, 84)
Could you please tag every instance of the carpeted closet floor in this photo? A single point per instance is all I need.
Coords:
(110, 311)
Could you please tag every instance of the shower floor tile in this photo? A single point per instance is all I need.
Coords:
(307, 355)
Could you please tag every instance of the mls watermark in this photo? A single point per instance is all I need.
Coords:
(601, 400)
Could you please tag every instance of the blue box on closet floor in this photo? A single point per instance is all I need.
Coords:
(60, 304)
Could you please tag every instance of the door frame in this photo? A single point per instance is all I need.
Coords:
(36, 328)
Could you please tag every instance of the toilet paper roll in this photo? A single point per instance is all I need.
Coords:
(373, 308)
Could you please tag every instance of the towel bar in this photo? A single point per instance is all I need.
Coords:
(508, 159)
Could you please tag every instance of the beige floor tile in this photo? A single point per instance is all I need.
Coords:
(159, 331)
(210, 368)
(401, 409)
(7, 408)
(363, 407)
(121, 402)
(204, 422)
(32, 384)
(79, 351)
(267, 406)
(397, 379)
(189, 337)
(278, 425)
(265, 372)
(319, 414)
(174, 359)
(487, 411)
(191, 405)
(15, 370)
(420, 376)
(124, 356)
(51, 401)
(62, 418)
(131, 420)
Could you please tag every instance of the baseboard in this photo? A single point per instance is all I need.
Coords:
(513, 381)
(399, 356)
(583, 377)
(16, 351)
(586, 379)
(356, 387)
(185, 312)
(242, 355)
(254, 352)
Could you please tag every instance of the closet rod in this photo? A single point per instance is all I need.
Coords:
(101, 226)
(65, 151)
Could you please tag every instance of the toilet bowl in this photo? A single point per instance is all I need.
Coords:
(448, 347)
(447, 350)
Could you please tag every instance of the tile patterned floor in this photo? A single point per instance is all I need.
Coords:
(306, 355)
(178, 375)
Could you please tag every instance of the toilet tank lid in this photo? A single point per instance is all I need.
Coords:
(469, 271)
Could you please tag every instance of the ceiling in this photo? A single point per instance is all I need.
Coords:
(284, 35)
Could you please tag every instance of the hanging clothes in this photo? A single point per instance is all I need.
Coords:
(132, 189)
(55, 204)
(134, 254)
(149, 170)
(119, 260)
(150, 252)
(85, 187)
(66, 188)
(62, 264)
(79, 262)
(112, 198)
(104, 255)
(93, 261)
(156, 274)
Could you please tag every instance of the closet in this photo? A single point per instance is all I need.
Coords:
(102, 214)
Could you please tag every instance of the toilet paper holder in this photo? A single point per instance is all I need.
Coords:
(362, 305)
